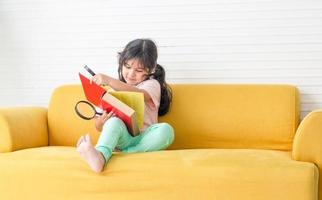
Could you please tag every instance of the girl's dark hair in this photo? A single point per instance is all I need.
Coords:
(145, 51)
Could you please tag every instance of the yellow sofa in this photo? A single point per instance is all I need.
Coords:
(231, 142)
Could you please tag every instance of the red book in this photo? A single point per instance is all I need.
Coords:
(98, 96)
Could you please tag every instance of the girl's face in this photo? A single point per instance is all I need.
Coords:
(134, 73)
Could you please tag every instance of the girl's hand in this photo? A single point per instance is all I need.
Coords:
(100, 120)
(100, 79)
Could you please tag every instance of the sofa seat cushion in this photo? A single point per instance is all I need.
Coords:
(60, 173)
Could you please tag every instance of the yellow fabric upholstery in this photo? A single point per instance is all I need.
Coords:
(60, 173)
(234, 116)
(224, 116)
(307, 142)
(231, 142)
(65, 127)
(22, 128)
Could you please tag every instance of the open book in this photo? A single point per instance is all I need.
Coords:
(128, 106)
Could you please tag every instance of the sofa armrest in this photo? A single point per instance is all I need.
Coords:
(307, 144)
(23, 127)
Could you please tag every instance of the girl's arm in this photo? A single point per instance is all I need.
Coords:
(118, 85)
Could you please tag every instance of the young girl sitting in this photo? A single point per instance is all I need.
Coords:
(138, 72)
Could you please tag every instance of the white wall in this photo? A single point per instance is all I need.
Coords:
(44, 43)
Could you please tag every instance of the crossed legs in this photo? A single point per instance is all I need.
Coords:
(115, 134)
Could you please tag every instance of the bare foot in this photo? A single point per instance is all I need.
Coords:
(94, 158)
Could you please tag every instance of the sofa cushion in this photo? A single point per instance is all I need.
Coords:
(234, 116)
(60, 173)
(203, 116)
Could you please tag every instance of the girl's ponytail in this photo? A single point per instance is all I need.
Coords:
(166, 92)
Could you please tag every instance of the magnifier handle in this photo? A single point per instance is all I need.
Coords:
(89, 70)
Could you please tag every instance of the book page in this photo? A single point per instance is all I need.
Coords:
(135, 100)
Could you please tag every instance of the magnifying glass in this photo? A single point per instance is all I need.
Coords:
(85, 110)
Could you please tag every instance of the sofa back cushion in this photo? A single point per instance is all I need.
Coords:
(65, 127)
(233, 116)
(203, 116)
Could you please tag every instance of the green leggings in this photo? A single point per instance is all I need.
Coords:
(115, 135)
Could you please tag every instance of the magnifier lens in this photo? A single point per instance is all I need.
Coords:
(86, 110)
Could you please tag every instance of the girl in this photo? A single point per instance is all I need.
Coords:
(138, 72)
